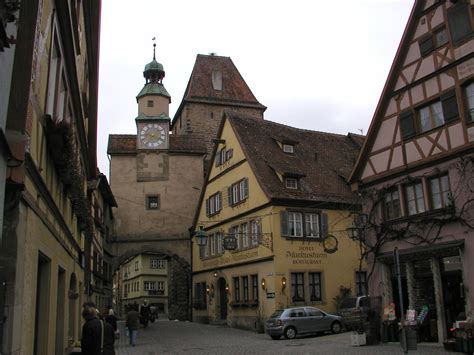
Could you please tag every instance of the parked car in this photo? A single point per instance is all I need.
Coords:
(353, 310)
(301, 320)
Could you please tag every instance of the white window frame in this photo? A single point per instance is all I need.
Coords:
(291, 183)
(312, 219)
(295, 219)
(244, 230)
(255, 230)
(288, 148)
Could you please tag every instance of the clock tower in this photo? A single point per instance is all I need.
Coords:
(153, 101)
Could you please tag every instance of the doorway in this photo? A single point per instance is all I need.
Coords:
(453, 291)
(221, 283)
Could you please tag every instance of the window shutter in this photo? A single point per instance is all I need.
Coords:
(284, 223)
(229, 195)
(450, 106)
(207, 207)
(324, 225)
(459, 23)
(426, 45)
(230, 153)
(219, 205)
(246, 188)
(407, 124)
(218, 159)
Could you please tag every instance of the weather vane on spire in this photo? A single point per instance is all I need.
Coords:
(154, 46)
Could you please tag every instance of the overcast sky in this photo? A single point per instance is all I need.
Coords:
(318, 65)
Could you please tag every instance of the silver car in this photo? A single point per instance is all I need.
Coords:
(301, 320)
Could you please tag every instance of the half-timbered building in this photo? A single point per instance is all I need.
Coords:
(415, 171)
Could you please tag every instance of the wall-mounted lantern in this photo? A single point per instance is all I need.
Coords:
(283, 283)
(227, 288)
(264, 286)
(201, 237)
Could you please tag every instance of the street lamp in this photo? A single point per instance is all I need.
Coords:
(201, 237)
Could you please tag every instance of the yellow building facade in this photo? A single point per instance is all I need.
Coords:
(144, 277)
(288, 228)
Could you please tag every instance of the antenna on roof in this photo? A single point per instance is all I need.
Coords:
(213, 53)
(361, 131)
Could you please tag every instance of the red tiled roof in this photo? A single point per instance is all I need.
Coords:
(127, 144)
(322, 161)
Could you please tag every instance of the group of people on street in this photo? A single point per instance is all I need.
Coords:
(100, 329)
(98, 332)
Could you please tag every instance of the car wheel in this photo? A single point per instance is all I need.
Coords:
(290, 333)
(336, 327)
(275, 337)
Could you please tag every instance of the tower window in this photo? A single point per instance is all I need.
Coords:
(153, 202)
(217, 80)
(150, 103)
(288, 148)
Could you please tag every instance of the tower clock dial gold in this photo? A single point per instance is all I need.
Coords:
(152, 135)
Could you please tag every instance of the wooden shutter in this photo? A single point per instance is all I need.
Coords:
(426, 45)
(459, 23)
(219, 207)
(324, 225)
(218, 159)
(407, 124)
(284, 223)
(207, 207)
(450, 106)
(229, 193)
(246, 187)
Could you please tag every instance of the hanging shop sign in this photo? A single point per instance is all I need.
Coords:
(330, 244)
(230, 242)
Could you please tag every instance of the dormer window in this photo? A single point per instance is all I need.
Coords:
(288, 148)
(217, 80)
(291, 183)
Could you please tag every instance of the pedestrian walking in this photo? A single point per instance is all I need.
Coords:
(97, 335)
(132, 324)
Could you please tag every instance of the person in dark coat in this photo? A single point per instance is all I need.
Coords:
(111, 319)
(132, 325)
(91, 342)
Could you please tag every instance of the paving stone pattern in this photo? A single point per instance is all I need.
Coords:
(176, 337)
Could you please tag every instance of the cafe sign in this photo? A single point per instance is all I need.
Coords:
(230, 242)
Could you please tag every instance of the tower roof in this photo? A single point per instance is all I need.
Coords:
(154, 74)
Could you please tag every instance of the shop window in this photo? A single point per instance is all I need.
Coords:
(297, 286)
(415, 199)
(392, 204)
(361, 283)
(315, 286)
(440, 192)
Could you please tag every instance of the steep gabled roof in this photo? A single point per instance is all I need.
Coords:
(322, 161)
(234, 88)
(389, 85)
(127, 144)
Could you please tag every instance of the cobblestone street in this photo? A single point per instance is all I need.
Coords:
(173, 337)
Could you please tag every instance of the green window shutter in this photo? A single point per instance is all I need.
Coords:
(459, 22)
(284, 223)
(450, 106)
(324, 225)
(407, 124)
(246, 187)
(426, 45)
(229, 196)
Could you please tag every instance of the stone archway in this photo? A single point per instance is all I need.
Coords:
(179, 278)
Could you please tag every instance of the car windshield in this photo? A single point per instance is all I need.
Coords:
(277, 313)
(349, 302)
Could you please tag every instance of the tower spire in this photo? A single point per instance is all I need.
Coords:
(154, 47)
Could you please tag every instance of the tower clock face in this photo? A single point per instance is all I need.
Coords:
(152, 135)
